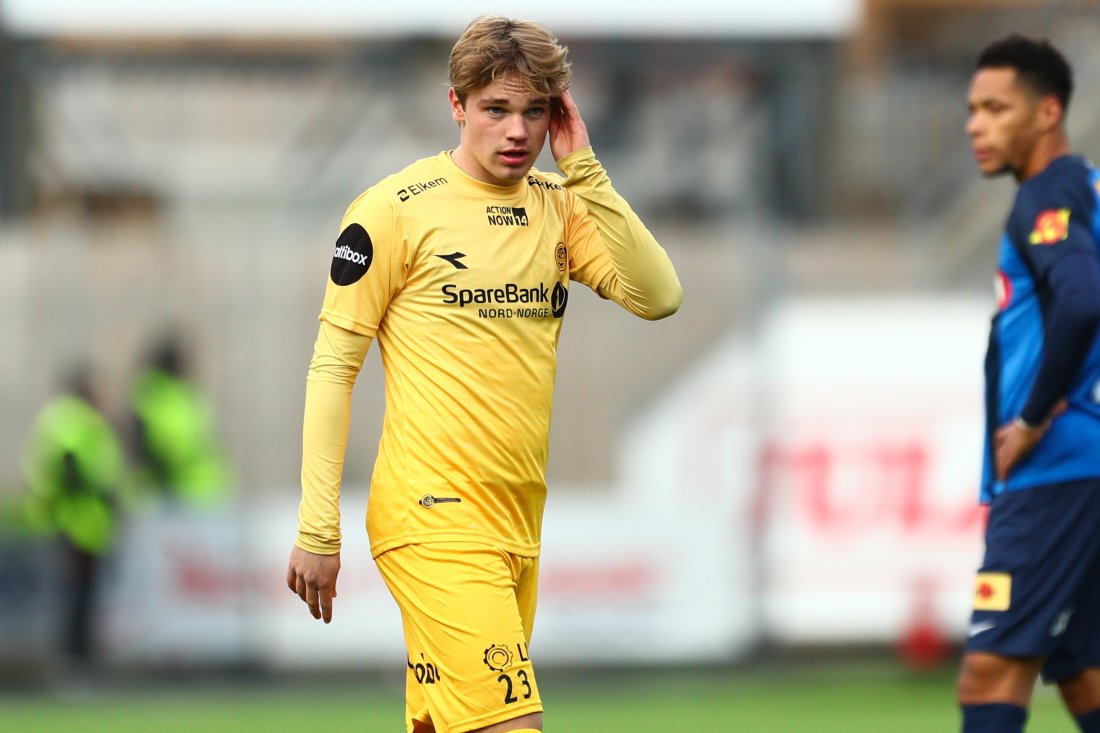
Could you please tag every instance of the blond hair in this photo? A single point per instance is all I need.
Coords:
(493, 47)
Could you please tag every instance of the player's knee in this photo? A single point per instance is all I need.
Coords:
(1081, 692)
(992, 678)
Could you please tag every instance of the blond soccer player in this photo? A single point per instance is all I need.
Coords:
(460, 267)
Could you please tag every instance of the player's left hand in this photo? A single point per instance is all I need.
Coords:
(312, 578)
(568, 132)
(1014, 440)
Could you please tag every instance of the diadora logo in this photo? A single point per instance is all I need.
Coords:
(353, 255)
(415, 189)
(506, 216)
(454, 258)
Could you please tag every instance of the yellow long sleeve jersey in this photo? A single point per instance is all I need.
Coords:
(464, 285)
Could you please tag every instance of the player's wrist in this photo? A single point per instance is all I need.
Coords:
(1020, 422)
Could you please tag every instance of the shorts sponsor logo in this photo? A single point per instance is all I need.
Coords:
(425, 672)
(498, 658)
(516, 685)
(353, 256)
(992, 592)
(1051, 227)
(506, 216)
(415, 189)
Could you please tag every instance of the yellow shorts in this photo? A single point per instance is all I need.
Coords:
(467, 611)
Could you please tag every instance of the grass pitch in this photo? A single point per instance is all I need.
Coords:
(818, 697)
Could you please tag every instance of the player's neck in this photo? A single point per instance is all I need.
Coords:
(1047, 149)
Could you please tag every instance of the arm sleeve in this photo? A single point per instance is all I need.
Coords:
(642, 278)
(337, 358)
(1074, 314)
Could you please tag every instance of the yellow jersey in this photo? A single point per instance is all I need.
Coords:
(464, 285)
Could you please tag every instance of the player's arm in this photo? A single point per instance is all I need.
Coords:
(338, 356)
(1072, 280)
(642, 278)
(1072, 319)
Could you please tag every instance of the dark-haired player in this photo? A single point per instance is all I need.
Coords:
(1037, 594)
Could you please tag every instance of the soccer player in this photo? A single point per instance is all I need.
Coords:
(459, 266)
(1037, 600)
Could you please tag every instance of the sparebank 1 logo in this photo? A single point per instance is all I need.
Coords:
(559, 298)
(353, 255)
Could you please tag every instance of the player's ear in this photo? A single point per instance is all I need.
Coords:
(458, 111)
(1051, 112)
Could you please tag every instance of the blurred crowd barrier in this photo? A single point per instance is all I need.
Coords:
(814, 485)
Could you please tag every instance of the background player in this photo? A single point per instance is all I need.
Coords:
(459, 266)
(1037, 601)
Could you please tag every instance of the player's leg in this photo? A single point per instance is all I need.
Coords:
(526, 572)
(1076, 664)
(1081, 694)
(1024, 593)
(466, 640)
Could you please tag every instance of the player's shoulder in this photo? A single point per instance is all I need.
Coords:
(421, 177)
(548, 185)
(1069, 182)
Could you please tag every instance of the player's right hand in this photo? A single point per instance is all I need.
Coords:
(313, 578)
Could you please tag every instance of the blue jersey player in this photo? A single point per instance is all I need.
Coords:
(1037, 595)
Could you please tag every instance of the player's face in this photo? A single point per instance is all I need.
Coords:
(1004, 122)
(502, 128)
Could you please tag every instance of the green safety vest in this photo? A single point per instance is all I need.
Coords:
(73, 466)
(178, 438)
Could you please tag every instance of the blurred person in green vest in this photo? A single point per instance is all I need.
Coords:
(74, 469)
(177, 449)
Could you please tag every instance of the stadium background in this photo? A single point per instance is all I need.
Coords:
(784, 470)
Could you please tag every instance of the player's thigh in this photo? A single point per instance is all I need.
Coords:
(1078, 626)
(1032, 576)
(467, 612)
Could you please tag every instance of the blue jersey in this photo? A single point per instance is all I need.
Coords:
(1043, 343)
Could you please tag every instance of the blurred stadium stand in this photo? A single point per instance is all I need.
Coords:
(200, 181)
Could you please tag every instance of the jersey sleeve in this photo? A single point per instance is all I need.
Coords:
(1058, 246)
(369, 265)
(611, 250)
(337, 358)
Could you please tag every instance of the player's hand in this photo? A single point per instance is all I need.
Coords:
(568, 132)
(313, 578)
(1014, 440)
